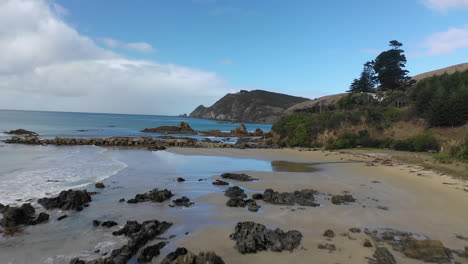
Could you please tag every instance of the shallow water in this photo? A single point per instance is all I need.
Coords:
(59, 241)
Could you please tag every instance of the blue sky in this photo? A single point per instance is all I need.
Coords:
(300, 47)
(169, 56)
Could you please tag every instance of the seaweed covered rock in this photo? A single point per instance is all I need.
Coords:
(149, 252)
(23, 215)
(251, 237)
(237, 177)
(342, 199)
(67, 200)
(426, 250)
(234, 192)
(240, 202)
(155, 195)
(303, 197)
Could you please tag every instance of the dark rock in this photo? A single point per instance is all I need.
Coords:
(385, 208)
(426, 250)
(367, 243)
(251, 237)
(100, 185)
(257, 196)
(96, 223)
(235, 191)
(180, 179)
(109, 224)
(23, 215)
(237, 177)
(67, 200)
(383, 256)
(155, 195)
(252, 206)
(218, 182)
(182, 128)
(236, 202)
(21, 132)
(41, 218)
(329, 247)
(2, 208)
(62, 217)
(121, 200)
(342, 199)
(329, 233)
(303, 197)
(156, 148)
(149, 252)
(201, 258)
(355, 230)
(174, 255)
(184, 201)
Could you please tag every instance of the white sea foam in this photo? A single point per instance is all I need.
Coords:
(49, 171)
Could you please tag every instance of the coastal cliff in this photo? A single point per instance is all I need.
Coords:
(256, 106)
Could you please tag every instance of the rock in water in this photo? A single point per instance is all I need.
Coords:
(184, 201)
(180, 179)
(383, 256)
(109, 224)
(100, 185)
(237, 177)
(21, 131)
(182, 128)
(24, 215)
(257, 196)
(234, 192)
(426, 250)
(155, 195)
(303, 197)
(202, 258)
(329, 233)
(67, 200)
(149, 252)
(174, 255)
(218, 182)
(342, 199)
(251, 237)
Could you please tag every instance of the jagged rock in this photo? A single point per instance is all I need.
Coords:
(303, 197)
(251, 237)
(235, 191)
(218, 182)
(329, 247)
(257, 196)
(23, 215)
(21, 132)
(100, 185)
(329, 233)
(342, 199)
(109, 224)
(67, 200)
(182, 128)
(202, 258)
(174, 255)
(383, 256)
(426, 250)
(155, 195)
(180, 179)
(237, 177)
(149, 252)
(183, 201)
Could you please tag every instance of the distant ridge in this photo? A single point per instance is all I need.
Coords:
(448, 70)
(257, 106)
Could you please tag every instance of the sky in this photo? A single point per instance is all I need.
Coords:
(169, 56)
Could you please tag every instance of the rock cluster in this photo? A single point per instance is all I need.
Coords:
(240, 131)
(237, 177)
(155, 195)
(240, 202)
(251, 237)
(23, 215)
(182, 128)
(183, 201)
(235, 192)
(303, 197)
(67, 200)
(342, 199)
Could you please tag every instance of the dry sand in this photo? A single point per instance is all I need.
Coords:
(417, 201)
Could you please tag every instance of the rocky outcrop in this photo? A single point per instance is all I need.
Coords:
(149, 252)
(426, 250)
(251, 237)
(220, 183)
(240, 131)
(382, 256)
(256, 106)
(67, 200)
(174, 255)
(23, 215)
(155, 195)
(202, 258)
(342, 199)
(183, 201)
(237, 177)
(240, 202)
(182, 128)
(234, 192)
(21, 132)
(303, 197)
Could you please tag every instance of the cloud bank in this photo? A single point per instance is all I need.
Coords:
(444, 5)
(48, 65)
(137, 46)
(445, 42)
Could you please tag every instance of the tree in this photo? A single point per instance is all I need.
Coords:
(366, 82)
(389, 69)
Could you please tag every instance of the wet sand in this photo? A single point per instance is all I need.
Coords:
(417, 201)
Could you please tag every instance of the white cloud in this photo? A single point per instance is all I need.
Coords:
(444, 5)
(138, 46)
(445, 42)
(48, 65)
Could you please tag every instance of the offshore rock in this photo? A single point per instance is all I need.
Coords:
(67, 200)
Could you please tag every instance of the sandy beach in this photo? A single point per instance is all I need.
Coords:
(417, 201)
